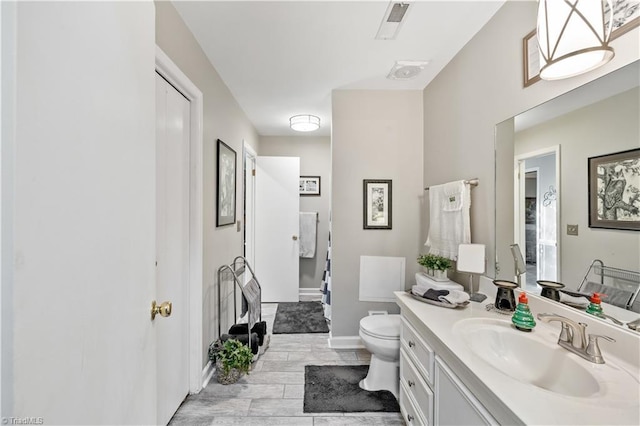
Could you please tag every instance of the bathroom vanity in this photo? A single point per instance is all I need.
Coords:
(470, 366)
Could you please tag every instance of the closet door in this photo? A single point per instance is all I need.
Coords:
(172, 247)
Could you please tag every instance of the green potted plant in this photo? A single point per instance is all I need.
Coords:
(435, 266)
(233, 359)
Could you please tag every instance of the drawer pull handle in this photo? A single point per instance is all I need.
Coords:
(411, 383)
(411, 344)
(410, 417)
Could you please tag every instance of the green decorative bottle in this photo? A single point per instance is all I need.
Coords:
(595, 308)
(523, 318)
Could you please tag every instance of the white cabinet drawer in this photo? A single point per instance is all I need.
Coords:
(417, 350)
(415, 385)
(409, 412)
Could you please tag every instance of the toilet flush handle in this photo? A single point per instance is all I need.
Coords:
(411, 344)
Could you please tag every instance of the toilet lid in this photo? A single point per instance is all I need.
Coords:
(381, 326)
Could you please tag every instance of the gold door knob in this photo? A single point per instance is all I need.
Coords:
(164, 309)
(294, 238)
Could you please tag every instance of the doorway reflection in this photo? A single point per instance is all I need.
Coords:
(537, 217)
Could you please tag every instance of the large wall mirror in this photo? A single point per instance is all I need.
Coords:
(542, 181)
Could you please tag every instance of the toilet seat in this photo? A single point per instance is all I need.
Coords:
(385, 327)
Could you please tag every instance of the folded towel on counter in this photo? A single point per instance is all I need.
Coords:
(453, 297)
(434, 295)
(574, 299)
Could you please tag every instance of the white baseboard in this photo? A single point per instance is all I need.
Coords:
(309, 291)
(207, 373)
(345, 342)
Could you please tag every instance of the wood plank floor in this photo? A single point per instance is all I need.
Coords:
(272, 394)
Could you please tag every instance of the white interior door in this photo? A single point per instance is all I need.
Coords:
(172, 246)
(277, 209)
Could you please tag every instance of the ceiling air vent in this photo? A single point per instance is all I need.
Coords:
(392, 20)
(406, 70)
(397, 12)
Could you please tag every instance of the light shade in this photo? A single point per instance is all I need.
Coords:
(304, 123)
(470, 258)
(573, 37)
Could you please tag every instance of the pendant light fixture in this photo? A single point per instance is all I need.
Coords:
(573, 36)
(304, 123)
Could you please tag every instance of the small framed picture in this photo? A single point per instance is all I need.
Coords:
(310, 185)
(377, 204)
(531, 58)
(614, 190)
(226, 185)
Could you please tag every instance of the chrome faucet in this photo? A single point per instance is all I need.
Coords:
(573, 337)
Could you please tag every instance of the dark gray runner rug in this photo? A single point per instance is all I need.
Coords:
(334, 388)
(300, 317)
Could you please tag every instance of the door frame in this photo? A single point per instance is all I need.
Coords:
(249, 192)
(518, 199)
(170, 72)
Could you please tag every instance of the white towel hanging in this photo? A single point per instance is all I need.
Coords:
(308, 233)
(450, 223)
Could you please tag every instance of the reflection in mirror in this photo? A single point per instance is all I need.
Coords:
(542, 182)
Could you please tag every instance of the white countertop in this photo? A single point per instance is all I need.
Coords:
(512, 401)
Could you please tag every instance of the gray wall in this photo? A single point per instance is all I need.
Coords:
(315, 160)
(480, 87)
(225, 120)
(375, 135)
(605, 127)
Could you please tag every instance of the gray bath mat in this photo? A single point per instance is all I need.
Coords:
(300, 317)
(334, 388)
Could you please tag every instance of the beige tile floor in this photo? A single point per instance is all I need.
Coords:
(272, 394)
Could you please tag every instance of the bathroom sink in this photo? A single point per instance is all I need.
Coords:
(527, 358)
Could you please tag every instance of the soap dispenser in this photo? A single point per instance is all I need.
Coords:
(523, 318)
(594, 307)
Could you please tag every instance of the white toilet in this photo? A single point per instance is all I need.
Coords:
(381, 336)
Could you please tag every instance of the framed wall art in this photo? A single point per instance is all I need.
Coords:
(626, 16)
(310, 185)
(377, 204)
(226, 185)
(614, 190)
(531, 59)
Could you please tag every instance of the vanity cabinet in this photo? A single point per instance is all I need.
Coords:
(430, 392)
(454, 404)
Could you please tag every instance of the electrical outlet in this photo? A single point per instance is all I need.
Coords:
(572, 229)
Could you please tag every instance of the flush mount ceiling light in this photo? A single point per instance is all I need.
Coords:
(406, 70)
(573, 37)
(304, 123)
(392, 20)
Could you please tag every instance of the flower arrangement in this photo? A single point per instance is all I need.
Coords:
(435, 262)
(233, 358)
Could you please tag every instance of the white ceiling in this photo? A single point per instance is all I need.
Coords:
(284, 58)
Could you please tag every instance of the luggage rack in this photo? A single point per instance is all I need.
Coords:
(621, 286)
(254, 330)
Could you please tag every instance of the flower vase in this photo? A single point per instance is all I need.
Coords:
(440, 275)
(232, 376)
